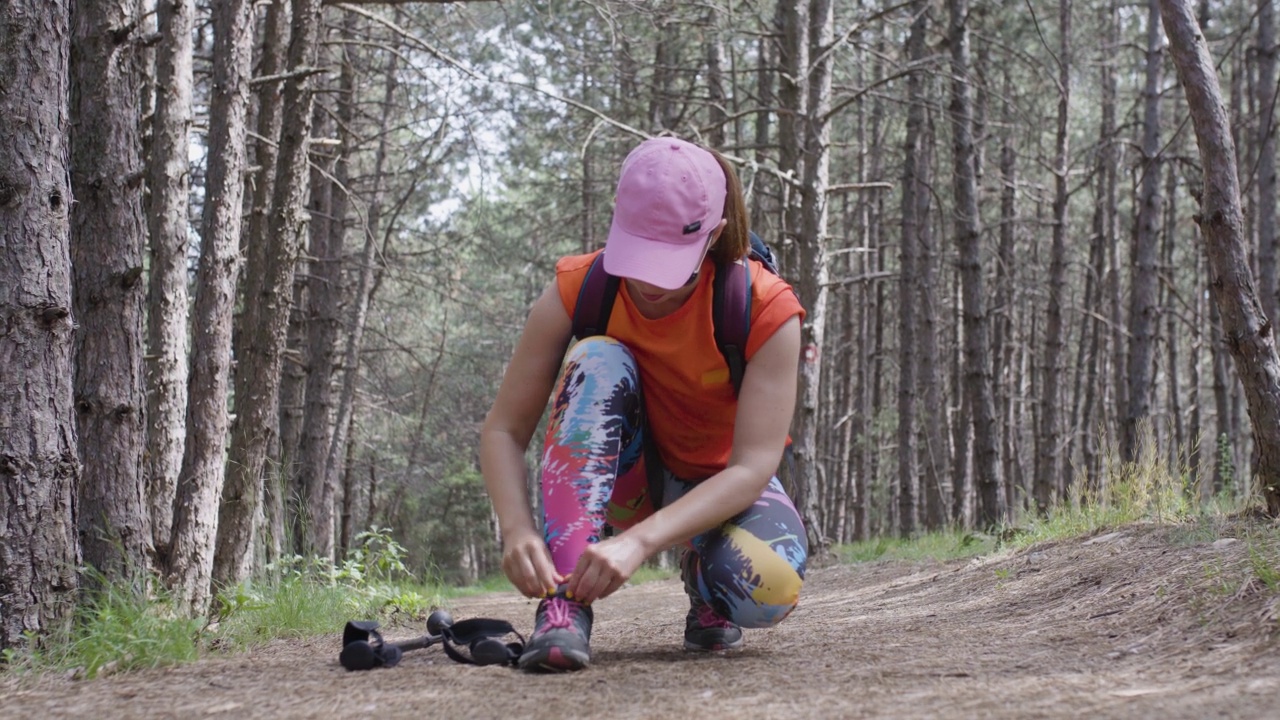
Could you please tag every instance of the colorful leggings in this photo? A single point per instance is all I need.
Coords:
(749, 569)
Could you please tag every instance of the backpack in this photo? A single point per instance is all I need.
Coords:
(730, 305)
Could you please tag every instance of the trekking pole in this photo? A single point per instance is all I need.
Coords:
(364, 649)
(436, 624)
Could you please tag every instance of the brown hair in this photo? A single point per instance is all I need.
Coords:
(734, 242)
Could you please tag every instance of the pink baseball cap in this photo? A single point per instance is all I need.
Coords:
(670, 198)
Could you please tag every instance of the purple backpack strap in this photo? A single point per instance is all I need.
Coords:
(731, 316)
(595, 301)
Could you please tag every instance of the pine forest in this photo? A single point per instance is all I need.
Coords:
(263, 263)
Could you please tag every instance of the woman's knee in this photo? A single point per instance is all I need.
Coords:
(601, 351)
(599, 374)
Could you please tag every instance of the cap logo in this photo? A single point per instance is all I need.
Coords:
(692, 227)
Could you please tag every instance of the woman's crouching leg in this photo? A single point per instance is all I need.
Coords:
(751, 568)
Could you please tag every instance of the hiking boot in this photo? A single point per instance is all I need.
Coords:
(705, 629)
(561, 636)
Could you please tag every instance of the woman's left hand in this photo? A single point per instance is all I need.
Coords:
(604, 566)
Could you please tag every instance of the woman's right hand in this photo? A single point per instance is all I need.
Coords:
(527, 564)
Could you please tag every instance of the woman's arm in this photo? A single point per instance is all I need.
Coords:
(766, 403)
(521, 399)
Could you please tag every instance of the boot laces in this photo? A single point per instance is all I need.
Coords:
(709, 618)
(558, 613)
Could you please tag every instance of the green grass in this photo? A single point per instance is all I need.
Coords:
(120, 628)
(116, 628)
(296, 607)
(649, 573)
(1146, 490)
(492, 583)
(1150, 490)
(938, 546)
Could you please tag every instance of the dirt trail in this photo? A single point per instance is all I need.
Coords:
(1145, 622)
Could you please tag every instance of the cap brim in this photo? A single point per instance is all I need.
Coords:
(665, 265)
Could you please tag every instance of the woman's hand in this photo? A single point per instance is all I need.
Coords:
(604, 566)
(527, 564)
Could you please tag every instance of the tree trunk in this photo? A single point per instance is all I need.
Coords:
(265, 317)
(169, 176)
(1250, 335)
(1048, 463)
(1002, 371)
(359, 309)
(813, 272)
(1196, 455)
(801, 133)
(276, 485)
(1143, 309)
(766, 62)
(39, 469)
(977, 358)
(288, 480)
(1094, 429)
(346, 521)
(908, 505)
(204, 460)
(323, 286)
(662, 113)
(868, 475)
(1177, 438)
(1223, 475)
(1266, 142)
(716, 110)
(929, 382)
(108, 238)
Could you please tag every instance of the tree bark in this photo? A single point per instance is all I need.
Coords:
(323, 286)
(359, 309)
(813, 271)
(1093, 334)
(39, 469)
(108, 238)
(204, 460)
(169, 179)
(322, 469)
(874, 352)
(1143, 309)
(935, 451)
(908, 505)
(1266, 142)
(277, 483)
(1177, 438)
(1250, 335)
(265, 317)
(977, 358)
(716, 110)
(1002, 325)
(1048, 463)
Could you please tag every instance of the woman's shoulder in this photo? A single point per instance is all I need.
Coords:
(768, 288)
(570, 264)
(773, 303)
(571, 271)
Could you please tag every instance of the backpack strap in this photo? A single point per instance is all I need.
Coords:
(595, 301)
(731, 316)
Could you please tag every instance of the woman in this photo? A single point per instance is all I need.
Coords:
(679, 213)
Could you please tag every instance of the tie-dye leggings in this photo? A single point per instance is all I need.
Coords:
(749, 569)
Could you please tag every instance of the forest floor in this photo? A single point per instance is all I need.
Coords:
(1146, 621)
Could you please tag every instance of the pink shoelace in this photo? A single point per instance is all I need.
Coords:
(709, 618)
(558, 613)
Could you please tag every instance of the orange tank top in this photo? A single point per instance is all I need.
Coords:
(690, 403)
